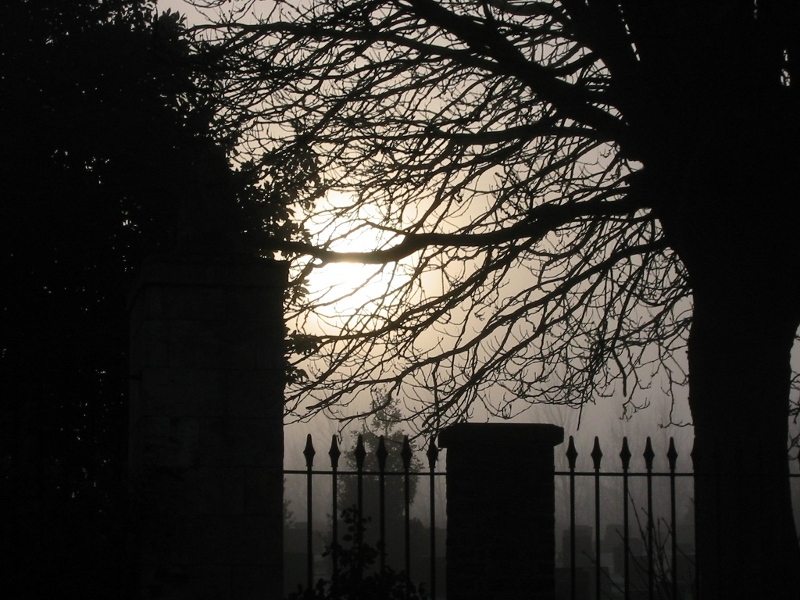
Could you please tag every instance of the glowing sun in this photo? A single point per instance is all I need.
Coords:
(344, 292)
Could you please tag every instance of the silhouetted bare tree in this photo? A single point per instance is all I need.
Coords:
(567, 196)
(384, 423)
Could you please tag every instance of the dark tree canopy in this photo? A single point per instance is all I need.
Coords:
(566, 197)
(108, 146)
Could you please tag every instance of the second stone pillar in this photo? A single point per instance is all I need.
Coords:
(500, 510)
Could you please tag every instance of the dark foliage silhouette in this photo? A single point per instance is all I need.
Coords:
(358, 577)
(109, 151)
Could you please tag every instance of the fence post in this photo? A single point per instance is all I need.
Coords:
(206, 438)
(500, 510)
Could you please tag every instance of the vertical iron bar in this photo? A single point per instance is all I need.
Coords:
(697, 572)
(382, 453)
(672, 456)
(625, 455)
(572, 456)
(406, 454)
(334, 453)
(360, 454)
(433, 453)
(648, 459)
(597, 456)
(309, 453)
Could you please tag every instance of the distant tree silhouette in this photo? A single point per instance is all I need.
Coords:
(385, 421)
(108, 141)
(568, 196)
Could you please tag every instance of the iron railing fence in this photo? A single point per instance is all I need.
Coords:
(657, 583)
(657, 570)
(360, 473)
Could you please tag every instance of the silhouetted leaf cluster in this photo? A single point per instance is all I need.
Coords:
(358, 578)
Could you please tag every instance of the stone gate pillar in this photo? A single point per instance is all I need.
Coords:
(500, 510)
(206, 436)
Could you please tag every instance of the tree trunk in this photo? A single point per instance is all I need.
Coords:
(739, 352)
(724, 172)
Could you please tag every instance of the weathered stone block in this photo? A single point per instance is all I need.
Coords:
(259, 483)
(193, 303)
(167, 441)
(215, 490)
(247, 301)
(254, 583)
(225, 540)
(187, 582)
(218, 344)
(269, 355)
(254, 393)
(188, 392)
(230, 441)
(149, 345)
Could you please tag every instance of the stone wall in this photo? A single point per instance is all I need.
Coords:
(206, 438)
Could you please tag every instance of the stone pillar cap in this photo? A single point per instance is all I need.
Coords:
(511, 434)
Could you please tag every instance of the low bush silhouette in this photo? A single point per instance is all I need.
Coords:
(358, 578)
